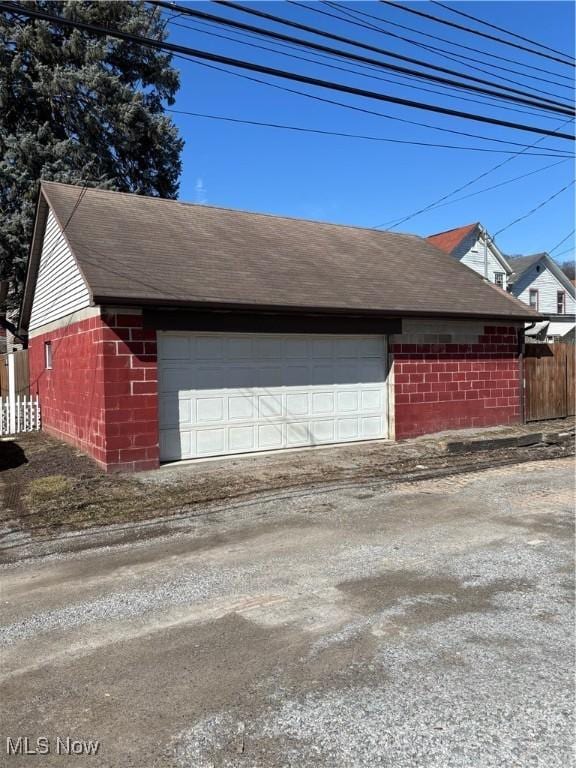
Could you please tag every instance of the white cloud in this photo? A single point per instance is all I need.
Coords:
(200, 192)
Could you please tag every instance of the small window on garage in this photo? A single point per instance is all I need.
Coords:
(499, 279)
(561, 302)
(47, 354)
(534, 298)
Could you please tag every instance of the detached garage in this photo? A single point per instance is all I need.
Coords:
(161, 331)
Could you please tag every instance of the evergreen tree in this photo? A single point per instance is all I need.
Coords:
(569, 269)
(80, 109)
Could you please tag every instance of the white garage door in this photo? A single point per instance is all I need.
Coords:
(233, 393)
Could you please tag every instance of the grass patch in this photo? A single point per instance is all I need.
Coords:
(47, 488)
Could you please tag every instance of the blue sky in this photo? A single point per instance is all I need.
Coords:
(367, 183)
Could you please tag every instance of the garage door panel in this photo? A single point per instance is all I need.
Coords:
(175, 348)
(241, 408)
(242, 439)
(296, 348)
(210, 442)
(297, 433)
(322, 402)
(297, 376)
(347, 401)
(174, 379)
(270, 406)
(322, 375)
(240, 349)
(297, 404)
(267, 347)
(270, 436)
(267, 376)
(234, 393)
(209, 348)
(322, 348)
(371, 427)
(371, 399)
(346, 348)
(348, 429)
(322, 431)
(184, 411)
(204, 377)
(371, 347)
(346, 373)
(210, 409)
(239, 378)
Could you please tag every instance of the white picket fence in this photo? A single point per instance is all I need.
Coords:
(19, 414)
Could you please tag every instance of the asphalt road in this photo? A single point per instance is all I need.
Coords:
(427, 625)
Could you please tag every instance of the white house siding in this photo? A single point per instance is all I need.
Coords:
(547, 285)
(472, 255)
(60, 288)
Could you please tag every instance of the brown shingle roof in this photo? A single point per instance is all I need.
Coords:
(448, 241)
(151, 251)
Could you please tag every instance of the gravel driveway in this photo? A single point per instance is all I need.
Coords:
(428, 625)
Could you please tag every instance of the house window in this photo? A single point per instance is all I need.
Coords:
(47, 354)
(534, 298)
(560, 302)
(499, 279)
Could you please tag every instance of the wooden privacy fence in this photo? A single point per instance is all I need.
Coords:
(549, 381)
(21, 414)
(18, 411)
(19, 362)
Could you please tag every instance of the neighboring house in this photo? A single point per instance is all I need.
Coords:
(472, 246)
(160, 330)
(10, 341)
(536, 280)
(539, 282)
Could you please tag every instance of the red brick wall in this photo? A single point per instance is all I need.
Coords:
(101, 393)
(467, 378)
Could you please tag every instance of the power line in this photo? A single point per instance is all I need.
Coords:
(474, 31)
(376, 138)
(560, 107)
(536, 208)
(381, 20)
(501, 184)
(347, 69)
(302, 129)
(568, 236)
(568, 250)
(251, 66)
(459, 58)
(552, 152)
(364, 110)
(469, 183)
(500, 29)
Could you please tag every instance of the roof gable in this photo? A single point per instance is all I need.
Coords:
(450, 240)
(55, 284)
(523, 264)
(141, 250)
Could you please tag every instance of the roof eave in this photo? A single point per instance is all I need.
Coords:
(40, 219)
(222, 306)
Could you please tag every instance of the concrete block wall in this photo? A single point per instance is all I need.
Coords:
(72, 392)
(455, 375)
(131, 389)
(101, 393)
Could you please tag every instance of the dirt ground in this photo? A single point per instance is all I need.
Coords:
(48, 487)
(424, 624)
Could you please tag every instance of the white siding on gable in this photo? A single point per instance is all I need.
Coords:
(60, 288)
(473, 257)
(547, 285)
